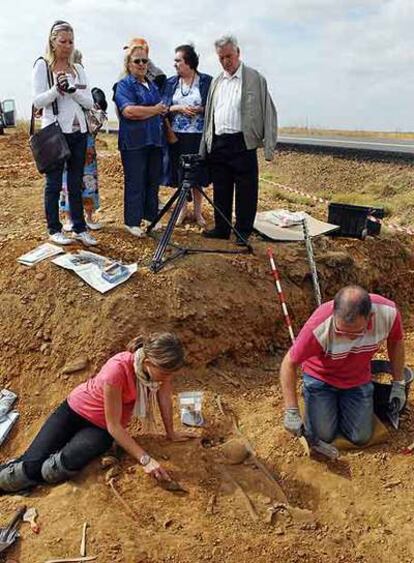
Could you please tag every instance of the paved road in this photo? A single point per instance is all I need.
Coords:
(392, 147)
(351, 143)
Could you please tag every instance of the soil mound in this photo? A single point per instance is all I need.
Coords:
(225, 309)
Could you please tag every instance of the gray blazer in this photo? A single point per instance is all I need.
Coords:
(258, 114)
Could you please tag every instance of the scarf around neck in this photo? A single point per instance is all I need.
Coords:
(147, 389)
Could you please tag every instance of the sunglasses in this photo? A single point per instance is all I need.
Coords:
(140, 61)
(178, 60)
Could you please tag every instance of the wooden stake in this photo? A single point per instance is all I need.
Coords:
(83, 540)
(72, 560)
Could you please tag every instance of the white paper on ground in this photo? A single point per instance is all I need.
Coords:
(7, 424)
(264, 225)
(40, 253)
(7, 399)
(91, 273)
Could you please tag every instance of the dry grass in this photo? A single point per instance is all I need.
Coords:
(344, 180)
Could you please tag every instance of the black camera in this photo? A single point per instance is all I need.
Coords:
(190, 165)
(190, 160)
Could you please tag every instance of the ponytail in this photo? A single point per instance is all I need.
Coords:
(135, 344)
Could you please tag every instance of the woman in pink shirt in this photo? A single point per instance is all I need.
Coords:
(97, 412)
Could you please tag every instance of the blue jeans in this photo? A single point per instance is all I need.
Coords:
(75, 164)
(330, 411)
(142, 172)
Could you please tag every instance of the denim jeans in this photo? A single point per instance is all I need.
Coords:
(142, 172)
(75, 165)
(330, 411)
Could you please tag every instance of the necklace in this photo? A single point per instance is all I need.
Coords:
(183, 93)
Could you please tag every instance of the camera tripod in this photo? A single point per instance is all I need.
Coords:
(180, 196)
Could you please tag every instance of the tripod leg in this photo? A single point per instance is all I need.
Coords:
(235, 231)
(164, 210)
(156, 261)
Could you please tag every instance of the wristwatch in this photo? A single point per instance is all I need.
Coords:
(144, 459)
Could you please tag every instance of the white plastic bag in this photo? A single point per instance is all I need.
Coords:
(190, 403)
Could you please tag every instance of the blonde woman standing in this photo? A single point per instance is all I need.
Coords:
(71, 94)
(139, 105)
(97, 413)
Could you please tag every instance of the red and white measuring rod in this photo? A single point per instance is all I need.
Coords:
(281, 295)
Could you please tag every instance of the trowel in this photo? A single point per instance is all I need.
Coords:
(318, 446)
(393, 413)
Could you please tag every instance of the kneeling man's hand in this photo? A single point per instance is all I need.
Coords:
(398, 392)
(293, 421)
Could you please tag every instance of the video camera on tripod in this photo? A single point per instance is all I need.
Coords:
(189, 164)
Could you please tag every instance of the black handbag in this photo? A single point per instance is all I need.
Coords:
(48, 145)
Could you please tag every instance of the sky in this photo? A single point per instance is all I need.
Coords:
(343, 64)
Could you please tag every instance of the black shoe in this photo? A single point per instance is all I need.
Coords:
(215, 233)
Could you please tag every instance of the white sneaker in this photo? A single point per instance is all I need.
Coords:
(93, 225)
(85, 238)
(60, 238)
(67, 227)
(136, 231)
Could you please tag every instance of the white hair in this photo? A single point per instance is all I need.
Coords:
(226, 40)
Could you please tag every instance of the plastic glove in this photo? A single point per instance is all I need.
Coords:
(398, 392)
(293, 421)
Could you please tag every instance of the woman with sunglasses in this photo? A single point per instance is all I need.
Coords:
(140, 109)
(71, 94)
(185, 94)
(97, 413)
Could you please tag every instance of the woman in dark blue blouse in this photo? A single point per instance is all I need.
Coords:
(185, 94)
(140, 109)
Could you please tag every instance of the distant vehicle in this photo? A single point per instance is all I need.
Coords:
(7, 114)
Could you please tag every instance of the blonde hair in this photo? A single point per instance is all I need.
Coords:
(128, 56)
(163, 349)
(56, 28)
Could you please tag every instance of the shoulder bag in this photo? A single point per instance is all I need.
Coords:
(170, 135)
(48, 145)
(95, 118)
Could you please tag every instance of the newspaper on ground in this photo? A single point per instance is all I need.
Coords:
(96, 270)
(6, 424)
(285, 218)
(7, 399)
(40, 253)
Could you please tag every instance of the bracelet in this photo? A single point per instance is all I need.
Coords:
(151, 466)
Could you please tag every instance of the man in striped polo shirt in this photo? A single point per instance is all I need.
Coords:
(334, 348)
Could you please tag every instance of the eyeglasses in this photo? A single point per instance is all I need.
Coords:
(347, 332)
(140, 61)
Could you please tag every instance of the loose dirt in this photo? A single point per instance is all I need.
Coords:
(358, 509)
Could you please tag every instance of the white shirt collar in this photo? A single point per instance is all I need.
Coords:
(237, 74)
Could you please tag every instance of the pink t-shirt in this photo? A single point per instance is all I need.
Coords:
(335, 359)
(87, 399)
